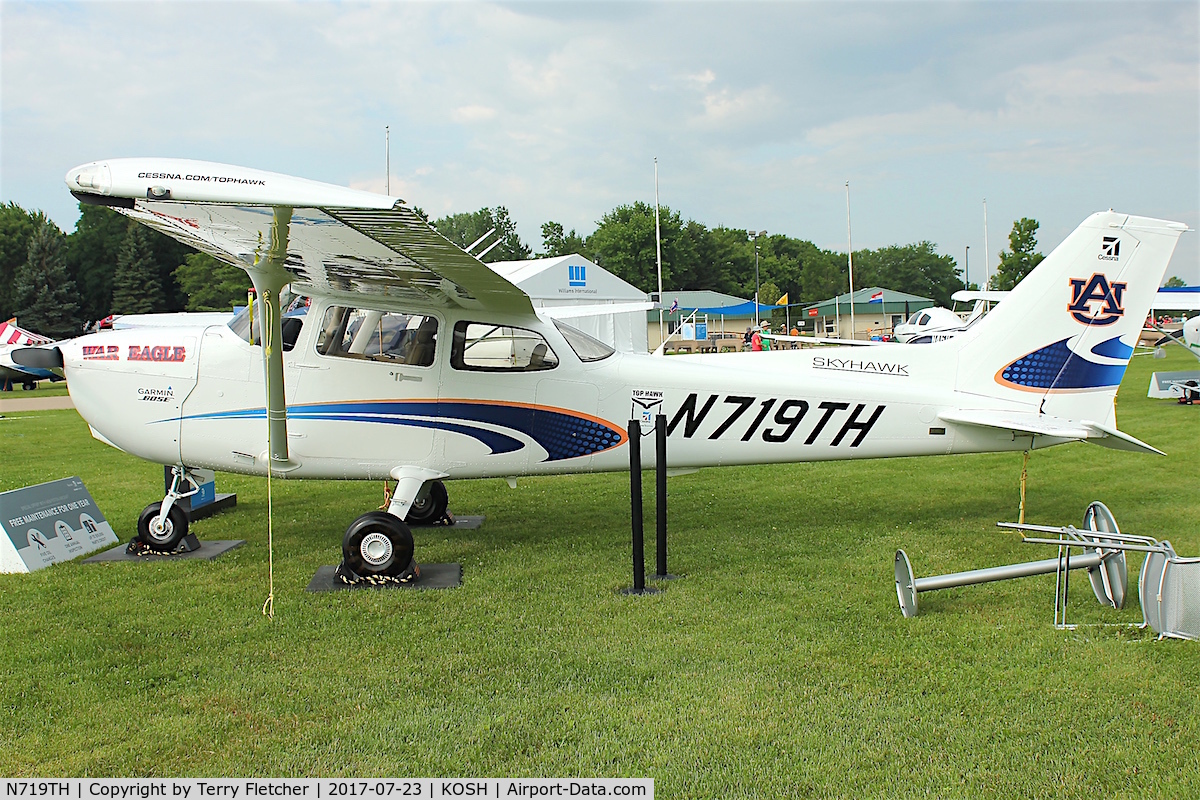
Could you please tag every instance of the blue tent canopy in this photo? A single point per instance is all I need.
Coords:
(745, 309)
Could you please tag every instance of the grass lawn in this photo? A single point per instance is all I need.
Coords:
(778, 666)
(44, 389)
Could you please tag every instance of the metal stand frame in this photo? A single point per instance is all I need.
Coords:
(1168, 587)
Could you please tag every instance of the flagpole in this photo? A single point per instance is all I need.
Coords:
(658, 248)
(387, 160)
(850, 258)
(987, 259)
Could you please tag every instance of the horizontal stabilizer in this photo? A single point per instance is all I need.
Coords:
(1025, 423)
(1117, 440)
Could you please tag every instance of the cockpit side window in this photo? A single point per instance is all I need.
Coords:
(390, 336)
(498, 348)
(246, 322)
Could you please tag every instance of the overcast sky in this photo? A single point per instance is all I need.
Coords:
(758, 113)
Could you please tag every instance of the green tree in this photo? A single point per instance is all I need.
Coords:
(92, 252)
(210, 284)
(167, 254)
(465, 229)
(16, 228)
(91, 255)
(1018, 263)
(44, 294)
(768, 293)
(914, 268)
(624, 244)
(1173, 282)
(136, 286)
(557, 243)
(823, 274)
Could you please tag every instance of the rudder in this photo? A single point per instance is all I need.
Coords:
(1060, 342)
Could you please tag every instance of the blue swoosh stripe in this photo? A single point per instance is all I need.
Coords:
(1056, 367)
(562, 435)
(1113, 348)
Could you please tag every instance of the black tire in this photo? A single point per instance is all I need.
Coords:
(29, 386)
(377, 544)
(429, 506)
(174, 530)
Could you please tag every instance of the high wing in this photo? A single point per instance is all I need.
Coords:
(337, 239)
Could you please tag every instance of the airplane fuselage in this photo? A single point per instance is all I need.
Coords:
(194, 396)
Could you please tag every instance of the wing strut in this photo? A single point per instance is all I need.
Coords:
(269, 277)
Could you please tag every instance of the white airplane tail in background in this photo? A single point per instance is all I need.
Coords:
(1060, 341)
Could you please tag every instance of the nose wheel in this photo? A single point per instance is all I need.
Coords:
(163, 526)
(162, 533)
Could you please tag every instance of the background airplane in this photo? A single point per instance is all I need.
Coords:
(11, 373)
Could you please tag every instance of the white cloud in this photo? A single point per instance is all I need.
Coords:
(473, 114)
(758, 112)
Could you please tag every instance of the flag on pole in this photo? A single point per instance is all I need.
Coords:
(877, 297)
(674, 306)
(782, 301)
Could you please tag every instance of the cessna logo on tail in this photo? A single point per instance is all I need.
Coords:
(1110, 249)
(1084, 292)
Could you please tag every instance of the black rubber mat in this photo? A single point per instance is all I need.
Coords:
(207, 552)
(460, 524)
(433, 576)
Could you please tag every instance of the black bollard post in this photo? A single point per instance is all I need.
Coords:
(635, 509)
(660, 494)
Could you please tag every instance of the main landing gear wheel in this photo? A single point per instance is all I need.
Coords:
(378, 545)
(164, 537)
(429, 506)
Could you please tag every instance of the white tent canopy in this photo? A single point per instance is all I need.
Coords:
(575, 281)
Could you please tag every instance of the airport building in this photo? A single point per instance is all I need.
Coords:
(575, 281)
(702, 314)
(876, 313)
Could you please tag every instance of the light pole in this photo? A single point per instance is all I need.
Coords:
(754, 236)
(967, 266)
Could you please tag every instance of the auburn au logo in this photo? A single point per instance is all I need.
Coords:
(1096, 289)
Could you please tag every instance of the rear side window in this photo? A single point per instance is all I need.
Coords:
(499, 348)
(390, 336)
(586, 347)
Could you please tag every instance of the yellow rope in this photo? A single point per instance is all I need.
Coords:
(268, 608)
(1024, 475)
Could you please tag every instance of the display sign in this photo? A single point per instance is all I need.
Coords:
(49, 523)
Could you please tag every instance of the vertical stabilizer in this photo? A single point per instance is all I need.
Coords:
(1062, 338)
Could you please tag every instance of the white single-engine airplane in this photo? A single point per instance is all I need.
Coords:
(11, 338)
(417, 362)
